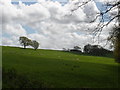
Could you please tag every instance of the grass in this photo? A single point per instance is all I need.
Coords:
(60, 69)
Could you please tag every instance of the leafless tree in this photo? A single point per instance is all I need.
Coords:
(102, 23)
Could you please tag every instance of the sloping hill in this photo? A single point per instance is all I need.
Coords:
(61, 69)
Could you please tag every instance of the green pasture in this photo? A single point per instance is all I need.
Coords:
(59, 69)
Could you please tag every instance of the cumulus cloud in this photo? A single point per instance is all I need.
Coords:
(55, 27)
(15, 30)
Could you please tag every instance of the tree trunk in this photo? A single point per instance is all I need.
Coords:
(117, 49)
(117, 44)
(24, 46)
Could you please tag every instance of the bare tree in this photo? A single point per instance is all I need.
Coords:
(116, 17)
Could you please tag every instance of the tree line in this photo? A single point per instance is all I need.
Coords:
(95, 50)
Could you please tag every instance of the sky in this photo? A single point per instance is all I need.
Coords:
(51, 23)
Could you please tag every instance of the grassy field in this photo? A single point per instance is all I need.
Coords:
(58, 69)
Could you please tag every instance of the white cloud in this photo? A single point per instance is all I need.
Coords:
(55, 26)
(34, 13)
(15, 30)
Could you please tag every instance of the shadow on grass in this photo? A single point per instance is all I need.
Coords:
(11, 79)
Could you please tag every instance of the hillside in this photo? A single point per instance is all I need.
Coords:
(60, 69)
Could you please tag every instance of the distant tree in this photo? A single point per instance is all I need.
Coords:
(24, 41)
(64, 49)
(96, 50)
(35, 44)
(77, 48)
(87, 48)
